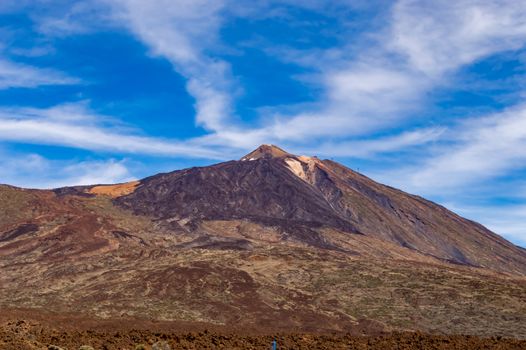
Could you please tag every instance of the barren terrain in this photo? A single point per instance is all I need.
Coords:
(272, 242)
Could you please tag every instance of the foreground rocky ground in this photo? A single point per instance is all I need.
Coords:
(31, 335)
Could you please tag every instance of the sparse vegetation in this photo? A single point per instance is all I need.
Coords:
(251, 244)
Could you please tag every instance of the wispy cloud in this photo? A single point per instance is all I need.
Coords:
(479, 149)
(73, 125)
(379, 84)
(35, 171)
(438, 37)
(62, 18)
(386, 80)
(93, 172)
(183, 31)
(370, 148)
(16, 75)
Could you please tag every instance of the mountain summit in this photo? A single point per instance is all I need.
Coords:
(266, 151)
(272, 236)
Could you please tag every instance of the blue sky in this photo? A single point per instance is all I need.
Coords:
(426, 96)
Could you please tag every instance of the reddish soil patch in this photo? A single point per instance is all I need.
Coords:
(115, 191)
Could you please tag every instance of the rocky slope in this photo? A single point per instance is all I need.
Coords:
(38, 335)
(273, 240)
(304, 195)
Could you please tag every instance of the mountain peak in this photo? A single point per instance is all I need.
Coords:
(267, 151)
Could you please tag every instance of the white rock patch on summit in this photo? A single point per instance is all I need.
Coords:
(296, 167)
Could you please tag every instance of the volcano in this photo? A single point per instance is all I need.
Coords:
(273, 240)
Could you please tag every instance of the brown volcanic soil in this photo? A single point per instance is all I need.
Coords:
(73, 332)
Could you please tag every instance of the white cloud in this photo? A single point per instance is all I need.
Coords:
(35, 51)
(371, 147)
(15, 75)
(440, 36)
(75, 126)
(35, 171)
(18, 75)
(183, 31)
(95, 172)
(480, 149)
(60, 18)
(360, 99)
(378, 89)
